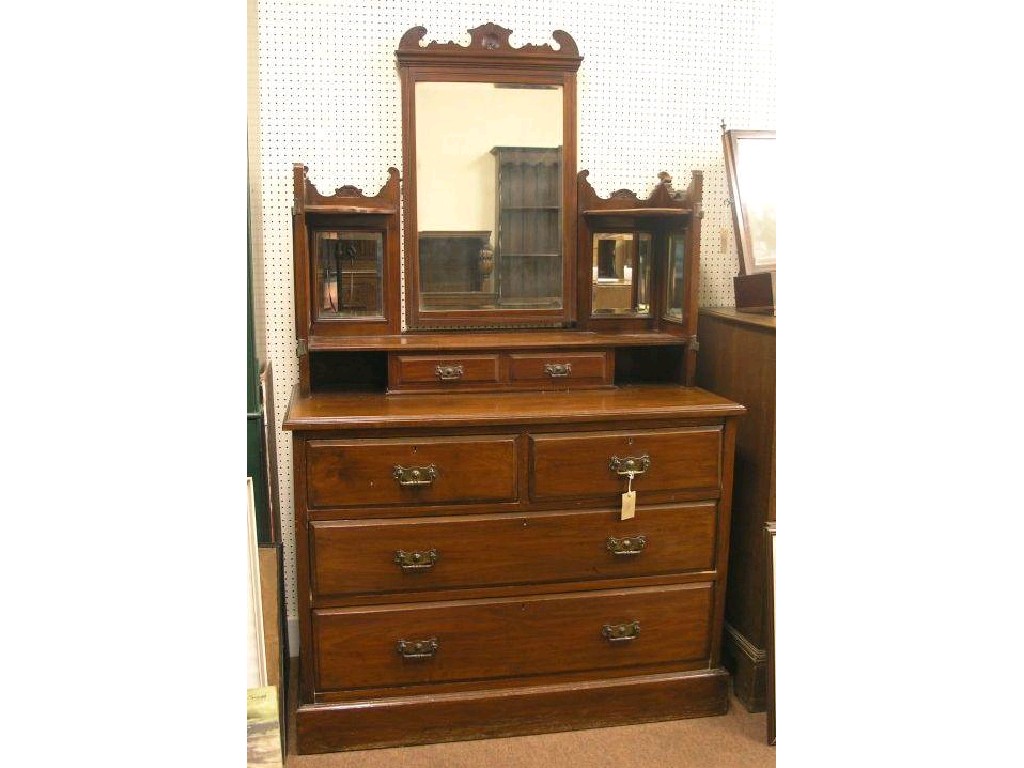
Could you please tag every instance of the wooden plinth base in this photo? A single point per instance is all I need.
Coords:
(427, 718)
(749, 667)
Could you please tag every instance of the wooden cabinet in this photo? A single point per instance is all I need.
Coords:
(502, 577)
(737, 360)
(511, 518)
(529, 237)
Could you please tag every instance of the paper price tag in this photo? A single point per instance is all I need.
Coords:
(628, 505)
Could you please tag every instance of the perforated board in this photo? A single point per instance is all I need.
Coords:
(658, 79)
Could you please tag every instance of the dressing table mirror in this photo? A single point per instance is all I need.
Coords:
(489, 145)
(513, 516)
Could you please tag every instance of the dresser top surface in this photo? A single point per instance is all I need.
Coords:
(731, 314)
(359, 410)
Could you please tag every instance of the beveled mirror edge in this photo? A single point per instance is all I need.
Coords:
(667, 210)
(489, 57)
(348, 204)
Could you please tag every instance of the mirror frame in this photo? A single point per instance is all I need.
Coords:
(489, 57)
(737, 175)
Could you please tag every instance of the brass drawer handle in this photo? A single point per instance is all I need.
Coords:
(631, 465)
(417, 649)
(416, 561)
(414, 476)
(632, 545)
(621, 633)
(448, 372)
(558, 370)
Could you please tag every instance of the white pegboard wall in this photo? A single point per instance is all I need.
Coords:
(657, 80)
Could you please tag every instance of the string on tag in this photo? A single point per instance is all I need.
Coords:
(628, 500)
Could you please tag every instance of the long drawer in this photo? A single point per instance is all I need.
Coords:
(362, 473)
(489, 550)
(479, 639)
(594, 465)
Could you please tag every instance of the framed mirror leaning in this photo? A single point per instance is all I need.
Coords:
(489, 147)
(751, 170)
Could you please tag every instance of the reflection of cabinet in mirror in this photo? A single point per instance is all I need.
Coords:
(456, 269)
(350, 267)
(622, 269)
(528, 215)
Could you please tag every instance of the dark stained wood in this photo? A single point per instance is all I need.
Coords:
(577, 465)
(337, 371)
(489, 45)
(422, 371)
(353, 557)
(737, 359)
(664, 200)
(584, 369)
(346, 208)
(486, 553)
(302, 576)
(755, 293)
(624, 405)
(522, 504)
(769, 555)
(724, 524)
(481, 639)
(501, 371)
(689, 434)
(360, 473)
(692, 270)
(664, 212)
(528, 256)
(490, 713)
(484, 592)
(487, 340)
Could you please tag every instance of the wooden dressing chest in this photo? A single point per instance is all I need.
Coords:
(513, 517)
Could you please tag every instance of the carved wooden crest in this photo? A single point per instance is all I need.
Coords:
(306, 193)
(663, 196)
(487, 42)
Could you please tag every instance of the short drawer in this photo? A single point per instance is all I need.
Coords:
(492, 550)
(555, 370)
(478, 639)
(595, 464)
(444, 371)
(409, 471)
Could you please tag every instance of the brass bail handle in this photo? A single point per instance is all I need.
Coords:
(631, 466)
(414, 476)
(417, 649)
(626, 547)
(621, 633)
(558, 370)
(416, 561)
(449, 372)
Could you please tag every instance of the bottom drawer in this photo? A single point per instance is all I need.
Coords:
(381, 646)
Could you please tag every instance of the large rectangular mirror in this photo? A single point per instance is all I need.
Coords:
(489, 197)
(489, 144)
